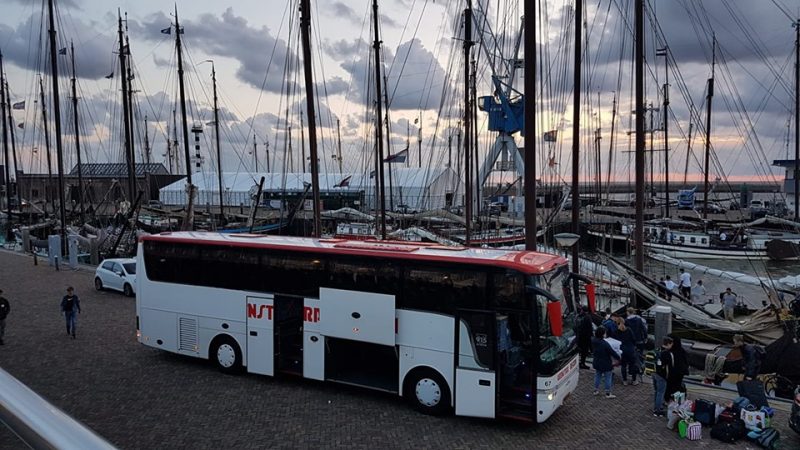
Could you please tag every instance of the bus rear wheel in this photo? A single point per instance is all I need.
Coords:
(427, 391)
(226, 354)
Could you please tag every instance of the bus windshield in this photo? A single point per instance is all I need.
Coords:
(555, 350)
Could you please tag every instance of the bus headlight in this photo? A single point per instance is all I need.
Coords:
(551, 396)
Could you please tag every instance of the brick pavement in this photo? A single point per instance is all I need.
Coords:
(137, 397)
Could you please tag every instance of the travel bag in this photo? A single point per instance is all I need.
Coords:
(704, 411)
(694, 431)
(728, 432)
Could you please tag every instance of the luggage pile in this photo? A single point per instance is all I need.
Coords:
(744, 417)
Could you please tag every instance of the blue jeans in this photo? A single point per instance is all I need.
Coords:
(607, 377)
(660, 387)
(71, 319)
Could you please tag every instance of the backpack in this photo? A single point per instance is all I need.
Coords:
(728, 432)
(768, 438)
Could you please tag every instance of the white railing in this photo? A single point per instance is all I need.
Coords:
(38, 423)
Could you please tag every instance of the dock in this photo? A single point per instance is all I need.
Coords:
(139, 397)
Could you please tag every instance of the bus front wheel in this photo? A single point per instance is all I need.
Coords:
(226, 354)
(427, 391)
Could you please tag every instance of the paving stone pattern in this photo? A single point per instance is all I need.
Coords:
(137, 397)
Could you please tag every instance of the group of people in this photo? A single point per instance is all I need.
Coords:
(70, 307)
(683, 286)
(630, 331)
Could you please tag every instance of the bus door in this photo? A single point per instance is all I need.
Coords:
(515, 365)
(260, 338)
(289, 334)
(475, 386)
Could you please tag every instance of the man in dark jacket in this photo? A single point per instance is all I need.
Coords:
(71, 307)
(665, 364)
(583, 335)
(5, 308)
(751, 357)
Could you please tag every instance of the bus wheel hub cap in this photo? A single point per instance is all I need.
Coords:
(428, 392)
(226, 355)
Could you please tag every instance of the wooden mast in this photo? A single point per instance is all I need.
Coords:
(305, 27)
(123, 75)
(47, 190)
(219, 152)
(530, 124)
(576, 139)
(3, 100)
(639, 149)
(189, 224)
(467, 124)
(379, 175)
(57, 117)
(77, 133)
(709, 97)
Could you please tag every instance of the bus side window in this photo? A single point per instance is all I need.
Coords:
(440, 290)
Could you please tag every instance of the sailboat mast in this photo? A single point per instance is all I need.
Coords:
(131, 107)
(467, 123)
(305, 27)
(123, 75)
(338, 145)
(388, 138)
(576, 130)
(378, 117)
(666, 130)
(709, 97)
(255, 153)
(216, 138)
(182, 90)
(796, 119)
(46, 143)
(77, 132)
(57, 117)
(639, 88)
(530, 124)
(146, 142)
(302, 142)
(11, 133)
(3, 100)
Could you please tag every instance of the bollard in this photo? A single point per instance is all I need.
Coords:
(35, 258)
(56, 261)
(663, 323)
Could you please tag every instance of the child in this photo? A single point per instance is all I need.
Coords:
(603, 364)
(665, 364)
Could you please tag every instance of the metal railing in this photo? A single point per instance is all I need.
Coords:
(38, 423)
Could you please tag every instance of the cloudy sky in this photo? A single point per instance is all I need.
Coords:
(255, 47)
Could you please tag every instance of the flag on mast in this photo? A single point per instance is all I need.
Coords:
(167, 30)
(398, 157)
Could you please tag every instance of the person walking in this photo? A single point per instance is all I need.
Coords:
(698, 293)
(630, 361)
(664, 365)
(728, 299)
(71, 307)
(583, 333)
(603, 357)
(639, 327)
(685, 284)
(670, 286)
(610, 324)
(5, 308)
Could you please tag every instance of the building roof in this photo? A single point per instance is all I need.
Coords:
(117, 170)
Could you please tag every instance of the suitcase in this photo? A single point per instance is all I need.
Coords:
(704, 411)
(694, 431)
(728, 415)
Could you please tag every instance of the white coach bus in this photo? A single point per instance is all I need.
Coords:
(377, 314)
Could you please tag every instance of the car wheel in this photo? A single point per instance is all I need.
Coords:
(226, 354)
(427, 391)
(98, 283)
(127, 290)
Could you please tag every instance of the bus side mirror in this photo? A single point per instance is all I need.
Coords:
(554, 317)
(590, 297)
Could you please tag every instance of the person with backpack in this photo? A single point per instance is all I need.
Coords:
(639, 327)
(752, 355)
(680, 368)
(583, 335)
(630, 361)
(610, 325)
(71, 307)
(603, 357)
(664, 366)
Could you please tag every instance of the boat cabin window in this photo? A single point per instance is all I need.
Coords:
(692, 240)
(682, 239)
(703, 241)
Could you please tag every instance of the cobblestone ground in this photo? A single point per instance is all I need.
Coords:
(137, 397)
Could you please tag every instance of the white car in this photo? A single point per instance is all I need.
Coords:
(118, 274)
